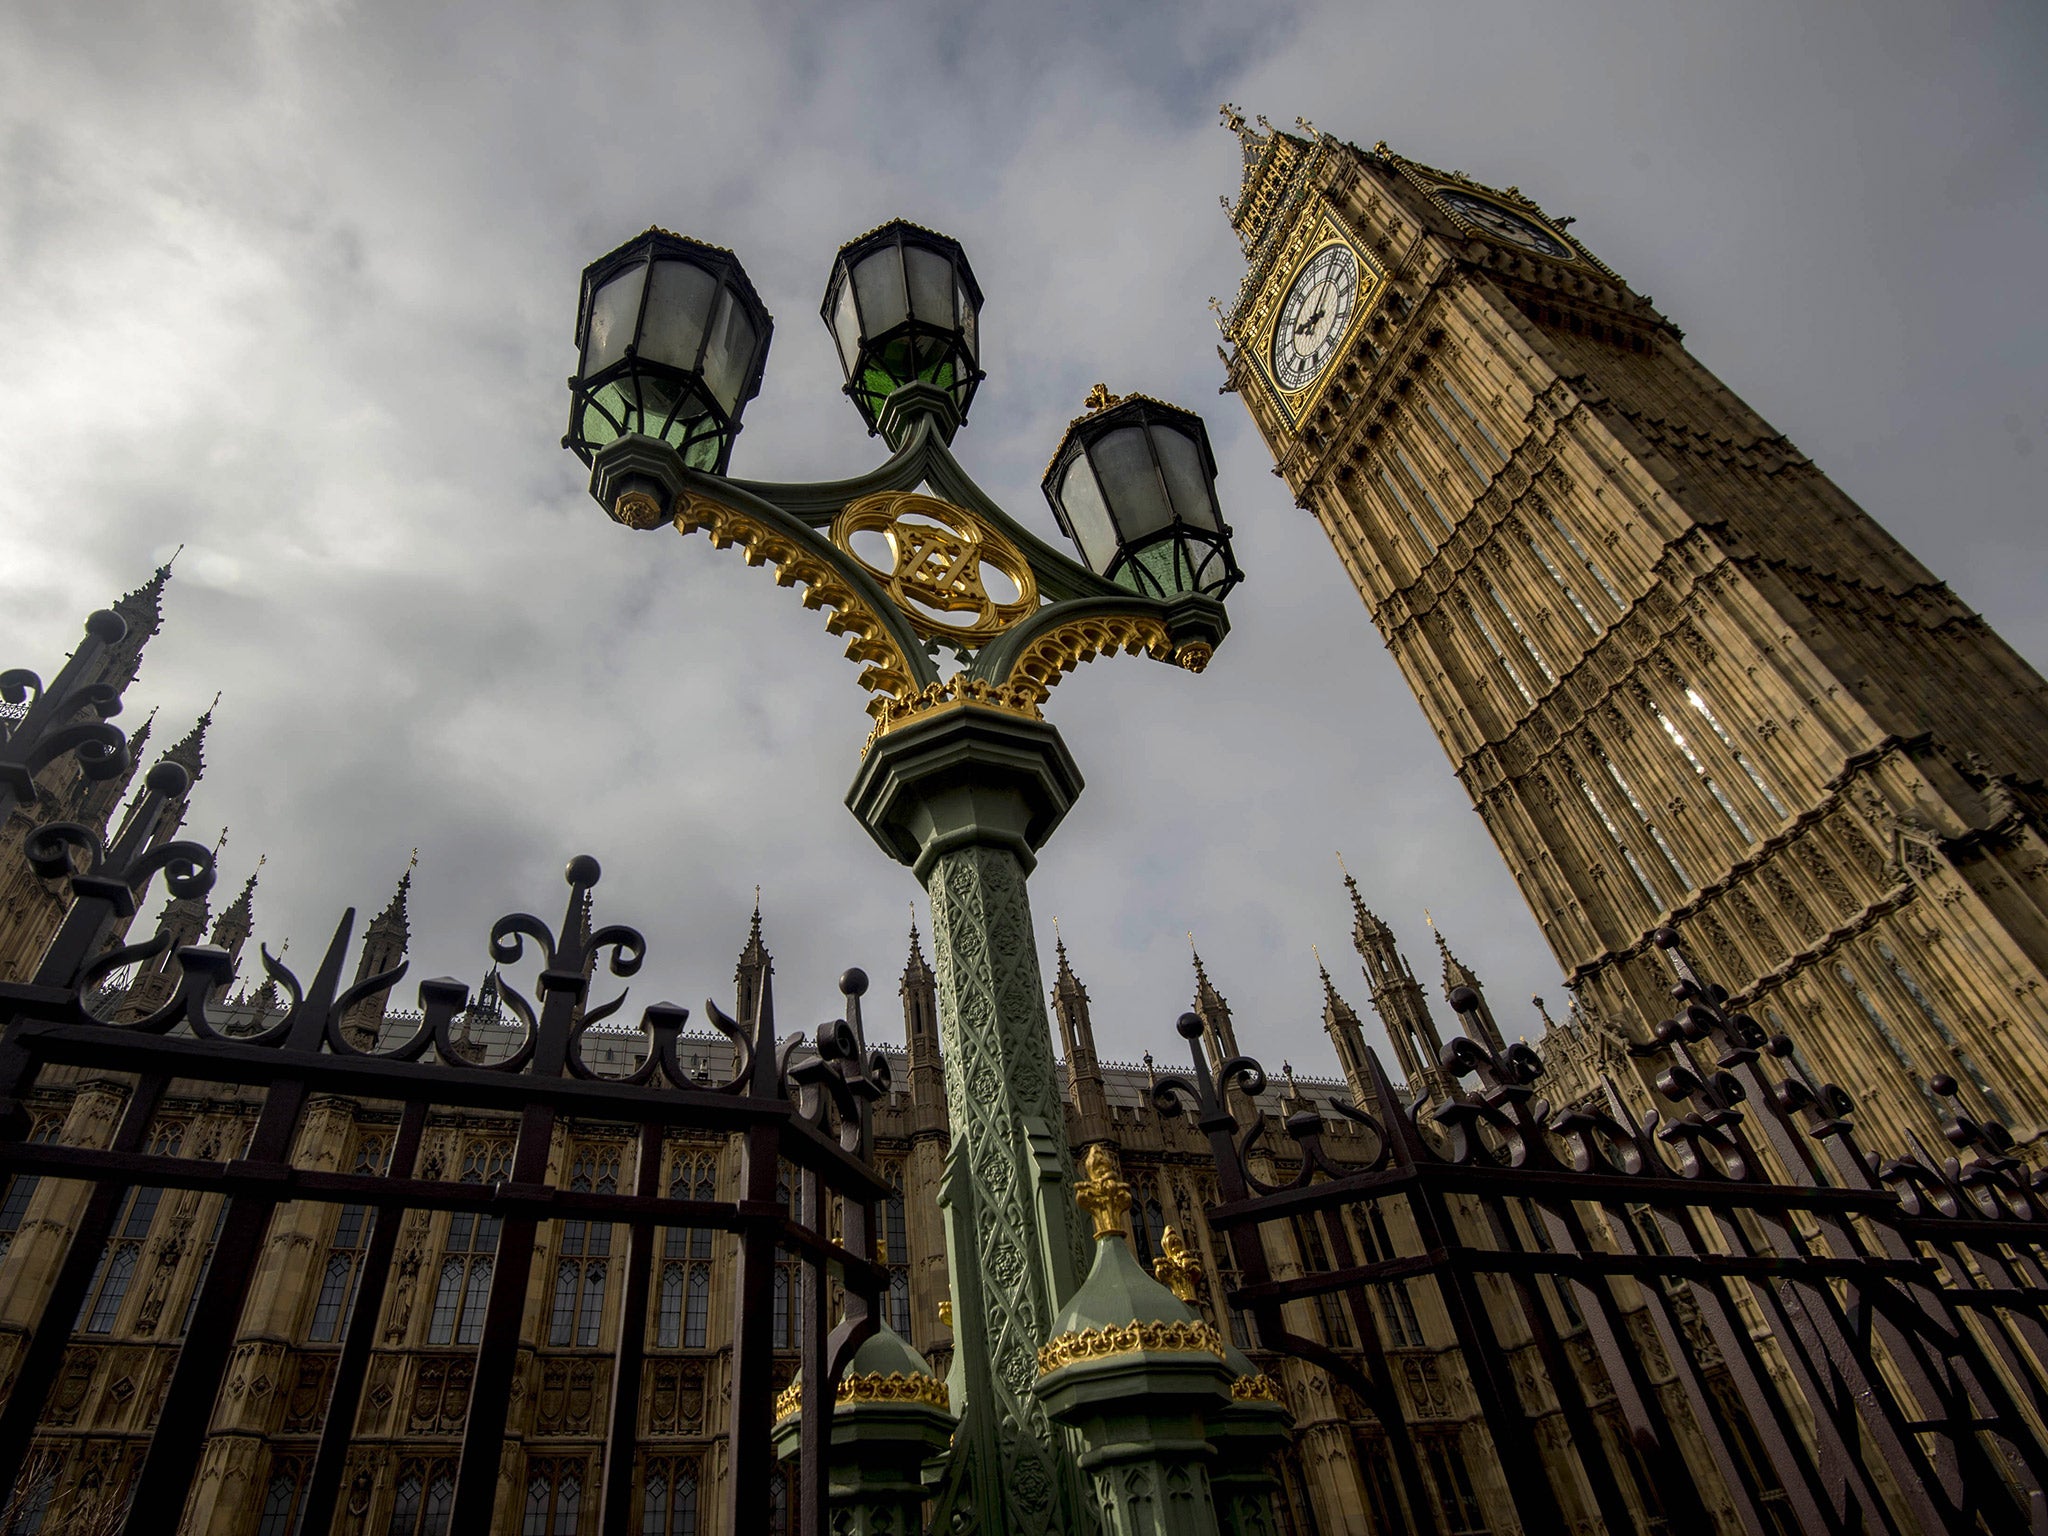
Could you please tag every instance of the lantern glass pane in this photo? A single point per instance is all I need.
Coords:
(878, 284)
(931, 286)
(679, 297)
(969, 321)
(1130, 483)
(846, 326)
(1081, 500)
(1181, 460)
(613, 313)
(728, 352)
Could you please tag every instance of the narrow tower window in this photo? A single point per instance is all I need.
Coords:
(1693, 697)
(1501, 656)
(1939, 1025)
(1614, 773)
(1457, 442)
(1472, 416)
(1422, 485)
(1700, 768)
(1565, 587)
(1614, 832)
(1584, 559)
(1408, 511)
(1892, 1042)
(1521, 634)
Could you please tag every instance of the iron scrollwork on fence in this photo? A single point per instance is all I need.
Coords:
(1733, 1287)
(806, 1103)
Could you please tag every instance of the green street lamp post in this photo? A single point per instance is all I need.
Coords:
(962, 779)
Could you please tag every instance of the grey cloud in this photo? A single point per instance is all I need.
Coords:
(293, 285)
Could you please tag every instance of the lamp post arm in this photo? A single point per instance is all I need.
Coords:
(1033, 655)
(925, 458)
(895, 663)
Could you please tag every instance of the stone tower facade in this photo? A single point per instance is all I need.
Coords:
(1682, 676)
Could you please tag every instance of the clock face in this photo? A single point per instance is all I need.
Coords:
(1503, 223)
(1315, 316)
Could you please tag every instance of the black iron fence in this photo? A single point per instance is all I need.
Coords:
(1725, 1311)
(804, 1104)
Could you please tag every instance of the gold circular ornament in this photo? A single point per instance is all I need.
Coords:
(937, 552)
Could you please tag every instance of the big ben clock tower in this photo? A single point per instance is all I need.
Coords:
(1683, 677)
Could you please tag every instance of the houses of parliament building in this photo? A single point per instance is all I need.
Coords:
(1685, 680)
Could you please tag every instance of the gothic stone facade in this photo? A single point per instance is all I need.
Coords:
(1682, 676)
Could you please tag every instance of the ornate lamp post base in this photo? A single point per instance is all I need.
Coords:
(965, 799)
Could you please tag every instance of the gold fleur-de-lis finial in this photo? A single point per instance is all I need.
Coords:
(1100, 399)
(1176, 1268)
(1232, 118)
(413, 863)
(946, 1313)
(1103, 1194)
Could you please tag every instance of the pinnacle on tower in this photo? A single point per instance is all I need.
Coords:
(1347, 1034)
(189, 751)
(395, 919)
(1085, 1088)
(143, 611)
(1214, 1011)
(755, 966)
(239, 912)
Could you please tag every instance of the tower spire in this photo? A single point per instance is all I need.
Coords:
(755, 966)
(1214, 1011)
(1457, 974)
(1347, 1034)
(1085, 1087)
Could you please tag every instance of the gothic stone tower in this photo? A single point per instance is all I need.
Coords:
(1682, 676)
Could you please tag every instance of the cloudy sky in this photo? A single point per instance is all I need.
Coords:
(293, 285)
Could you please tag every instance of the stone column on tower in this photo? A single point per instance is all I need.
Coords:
(384, 946)
(1085, 1088)
(1458, 974)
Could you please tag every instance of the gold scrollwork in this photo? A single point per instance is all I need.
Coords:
(1130, 1339)
(939, 550)
(875, 1387)
(885, 670)
(1260, 1388)
(1064, 647)
(955, 692)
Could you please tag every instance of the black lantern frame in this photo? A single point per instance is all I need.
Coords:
(1134, 486)
(904, 310)
(671, 341)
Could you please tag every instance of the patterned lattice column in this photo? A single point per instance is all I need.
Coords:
(966, 799)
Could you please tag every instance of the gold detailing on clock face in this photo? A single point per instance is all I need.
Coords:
(1315, 316)
(938, 553)
(1309, 319)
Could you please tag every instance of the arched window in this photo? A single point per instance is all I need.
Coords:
(1694, 698)
(554, 1499)
(281, 1499)
(467, 1256)
(683, 1296)
(896, 1254)
(1700, 769)
(577, 1313)
(669, 1503)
